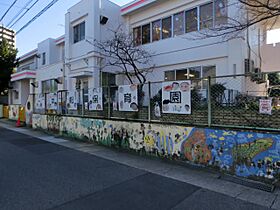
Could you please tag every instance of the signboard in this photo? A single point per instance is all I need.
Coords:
(40, 101)
(95, 101)
(52, 101)
(72, 100)
(128, 98)
(265, 106)
(176, 97)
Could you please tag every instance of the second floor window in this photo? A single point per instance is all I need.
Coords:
(166, 28)
(79, 32)
(146, 34)
(43, 58)
(206, 16)
(178, 24)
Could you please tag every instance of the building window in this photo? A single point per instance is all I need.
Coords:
(146, 34)
(220, 12)
(16, 94)
(137, 35)
(108, 79)
(49, 86)
(181, 74)
(206, 16)
(43, 58)
(193, 73)
(191, 20)
(208, 71)
(169, 75)
(178, 24)
(79, 32)
(166, 28)
(156, 30)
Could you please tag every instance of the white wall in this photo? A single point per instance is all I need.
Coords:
(185, 51)
(82, 58)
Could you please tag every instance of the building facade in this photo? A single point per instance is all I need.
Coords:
(170, 29)
(8, 34)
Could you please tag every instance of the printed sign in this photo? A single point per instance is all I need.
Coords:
(176, 97)
(40, 101)
(72, 100)
(95, 99)
(128, 98)
(265, 106)
(52, 101)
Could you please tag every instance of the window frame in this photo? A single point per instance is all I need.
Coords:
(140, 38)
(171, 27)
(188, 72)
(80, 36)
(200, 22)
(43, 58)
(197, 21)
(160, 35)
(184, 23)
(148, 34)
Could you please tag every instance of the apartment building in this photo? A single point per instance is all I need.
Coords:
(7, 34)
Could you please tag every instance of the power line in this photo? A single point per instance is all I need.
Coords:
(8, 10)
(38, 15)
(24, 13)
(18, 14)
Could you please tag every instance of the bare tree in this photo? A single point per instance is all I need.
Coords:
(264, 13)
(133, 61)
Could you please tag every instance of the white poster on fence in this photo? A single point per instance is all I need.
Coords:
(40, 101)
(72, 100)
(128, 98)
(52, 101)
(176, 97)
(265, 106)
(95, 100)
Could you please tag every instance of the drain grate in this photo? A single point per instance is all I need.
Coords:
(248, 183)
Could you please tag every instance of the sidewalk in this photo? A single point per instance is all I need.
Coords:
(199, 178)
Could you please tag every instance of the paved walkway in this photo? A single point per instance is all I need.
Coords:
(72, 175)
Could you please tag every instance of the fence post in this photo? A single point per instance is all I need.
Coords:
(46, 102)
(149, 104)
(109, 102)
(83, 102)
(209, 102)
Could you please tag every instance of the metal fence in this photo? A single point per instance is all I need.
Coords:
(248, 101)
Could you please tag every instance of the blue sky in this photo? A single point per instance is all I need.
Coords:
(50, 24)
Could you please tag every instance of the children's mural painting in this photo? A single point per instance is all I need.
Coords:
(245, 154)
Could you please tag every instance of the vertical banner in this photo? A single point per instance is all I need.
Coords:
(128, 98)
(40, 101)
(52, 101)
(72, 100)
(265, 106)
(95, 99)
(176, 97)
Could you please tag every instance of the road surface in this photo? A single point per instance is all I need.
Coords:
(36, 174)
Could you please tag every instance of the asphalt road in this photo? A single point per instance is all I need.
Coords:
(35, 174)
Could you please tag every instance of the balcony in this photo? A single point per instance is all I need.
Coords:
(22, 75)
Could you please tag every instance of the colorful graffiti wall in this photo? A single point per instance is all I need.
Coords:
(246, 154)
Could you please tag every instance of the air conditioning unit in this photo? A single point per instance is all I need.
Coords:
(249, 66)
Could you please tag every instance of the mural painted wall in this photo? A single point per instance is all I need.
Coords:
(14, 112)
(245, 154)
